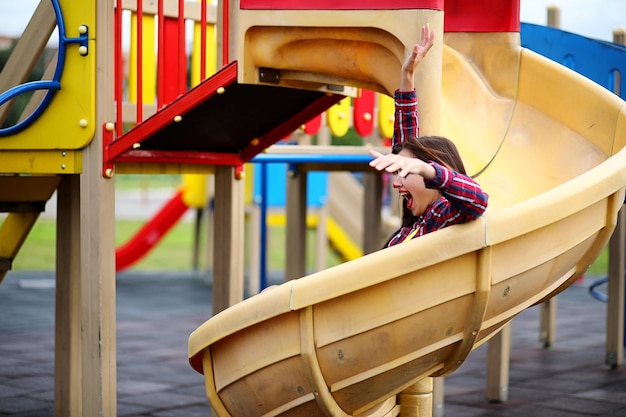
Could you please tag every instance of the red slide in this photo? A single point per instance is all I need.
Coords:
(151, 233)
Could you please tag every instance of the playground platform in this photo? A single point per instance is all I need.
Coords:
(156, 312)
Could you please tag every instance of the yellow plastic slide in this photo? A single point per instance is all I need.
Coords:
(547, 145)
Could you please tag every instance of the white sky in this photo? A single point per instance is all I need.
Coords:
(591, 18)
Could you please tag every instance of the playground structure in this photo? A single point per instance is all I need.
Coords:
(591, 192)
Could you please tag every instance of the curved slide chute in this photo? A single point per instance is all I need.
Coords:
(191, 194)
(151, 232)
(547, 144)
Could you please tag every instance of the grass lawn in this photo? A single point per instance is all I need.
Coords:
(173, 253)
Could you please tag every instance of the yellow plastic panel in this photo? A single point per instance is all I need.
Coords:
(385, 115)
(338, 117)
(195, 190)
(40, 162)
(148, 60)
(211, 47)
(69, 121)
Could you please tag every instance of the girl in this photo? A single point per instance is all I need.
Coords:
(428, 171)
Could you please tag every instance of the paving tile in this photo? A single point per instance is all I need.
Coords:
(44, 412)
(125, 409)
(188, 411)
(617, 395)
(8, 390)
(22, 404)
(582, 405)
(164, 400)
(128, 387)
(34, 383)
(617, 413)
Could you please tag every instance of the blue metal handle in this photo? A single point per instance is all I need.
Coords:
(51, 85)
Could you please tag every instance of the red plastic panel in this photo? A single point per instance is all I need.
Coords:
(313, 126)
(341, 4)
(482, 16)
(151, 233)
(364, 113)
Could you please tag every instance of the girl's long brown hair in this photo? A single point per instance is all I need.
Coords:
(429, 148)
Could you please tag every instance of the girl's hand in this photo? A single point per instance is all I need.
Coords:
(419, 50)
(402, 165)
(412, 61)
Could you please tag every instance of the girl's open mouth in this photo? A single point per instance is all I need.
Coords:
(409, 199)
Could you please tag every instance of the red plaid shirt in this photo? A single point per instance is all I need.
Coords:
(462, 199)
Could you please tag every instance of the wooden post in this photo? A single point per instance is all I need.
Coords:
(619, 37)
(321, 238)
(209, 229)
(372, 206)
(438, 396)
(197, 238)
(547, 331)
(554, 17)
(616, 287)
(615, 304)
(254, 275)
(498, 354)
(296, 224)
(67, 360)
(228, 239)
(85, 350)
